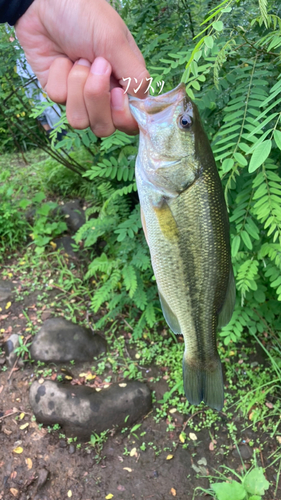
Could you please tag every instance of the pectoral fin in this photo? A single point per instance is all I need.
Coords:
(166, 221)
(169, 316)
(229, 302)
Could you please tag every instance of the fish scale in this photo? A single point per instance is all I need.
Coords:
(185, 221)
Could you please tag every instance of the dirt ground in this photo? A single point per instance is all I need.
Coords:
(151, 463)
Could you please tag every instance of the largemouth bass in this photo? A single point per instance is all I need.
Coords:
(186, 226)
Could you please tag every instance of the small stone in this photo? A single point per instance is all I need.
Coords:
(245, 452)
(62, 340)
(62, 443)
(42, 477)
(9, 348)
(71, 449)
(82, 411)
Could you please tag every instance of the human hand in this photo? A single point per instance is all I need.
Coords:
(80, 50)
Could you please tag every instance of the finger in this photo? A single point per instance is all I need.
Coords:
(126, 64)
(121, 114)
(97, 98)
(76, 110)
(57, 79)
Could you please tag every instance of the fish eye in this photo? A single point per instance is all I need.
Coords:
(185, 122)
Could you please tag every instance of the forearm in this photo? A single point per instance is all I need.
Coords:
(12, 10)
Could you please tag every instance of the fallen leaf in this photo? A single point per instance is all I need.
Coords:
(128, 469)
(90, 376)
(269, 405)
(18, 449)
(182, 438)
(232, 353)
(41, 381)
(212, 445)
(1, 388)
(202, 461)
(14, 474)
(68, 377)
(193, 436)
(173, 410)
(28, 462)
(8, 305)
(133, 452)
(169, 457)
(14, 492)
(69, 493)
(173, 491)
(53, 245)
(21, 415)
(98, 389)
(109, 496)
(278, 439)
(24, 426)
(120, 488)
(122, 385)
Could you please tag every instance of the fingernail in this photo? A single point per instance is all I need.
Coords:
(117, 99)
(99, 66)
(83, 62)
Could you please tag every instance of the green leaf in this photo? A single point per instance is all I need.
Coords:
(277, 138)
(259, 155)
(209, 42)
(255, 497)
(38, 197)
(246, 238)
(259, 296)
(241, 160)
(255, 482)
(24, 203)
(227, 165)
(218, 25)
(227, 491)
(235, 245)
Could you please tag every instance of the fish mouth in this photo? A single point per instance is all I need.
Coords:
(155, 104)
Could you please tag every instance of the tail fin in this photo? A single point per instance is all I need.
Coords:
(203, 383)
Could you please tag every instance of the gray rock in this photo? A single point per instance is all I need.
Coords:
(9, 348)
(81, 410)
(42, 478)
(6, 289)
(74, 214)
(62, 340)
(244, 450)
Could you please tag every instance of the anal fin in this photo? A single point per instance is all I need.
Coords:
(229, 302)
(169, 316)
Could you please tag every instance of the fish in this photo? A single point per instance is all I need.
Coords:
(185, 221)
